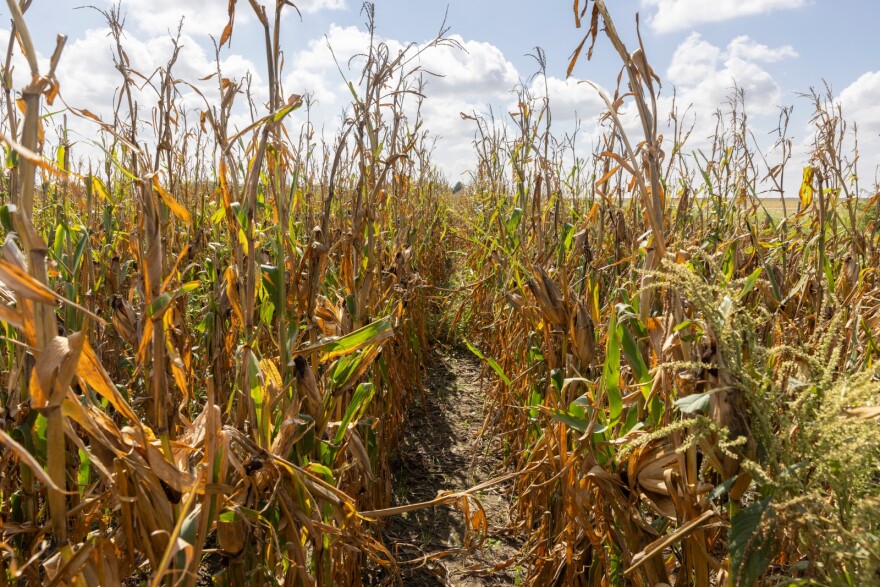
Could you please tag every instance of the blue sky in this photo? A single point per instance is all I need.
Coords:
(773, 48)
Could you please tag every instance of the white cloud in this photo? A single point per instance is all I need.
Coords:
(88, 76)
(480, 69)
(743, 47)
(200, 17)
(88, 80)
(20, 68)
(861, 103)
(695, 59)
(312, 6)
(205, 17)
(456, 81)
(570, 99)
(705, 75)
(676, 15)
(575, 106)
(346, 42)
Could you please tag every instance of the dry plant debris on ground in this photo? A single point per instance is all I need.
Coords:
(443, 451)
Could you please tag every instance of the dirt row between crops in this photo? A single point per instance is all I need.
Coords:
(442, 450)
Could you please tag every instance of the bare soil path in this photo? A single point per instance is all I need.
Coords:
(441, 450)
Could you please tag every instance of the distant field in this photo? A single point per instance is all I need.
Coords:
(775, 205)
(775, 209)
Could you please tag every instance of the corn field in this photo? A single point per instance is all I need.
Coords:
(212, 338)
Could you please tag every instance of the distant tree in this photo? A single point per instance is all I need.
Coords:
(457, 187)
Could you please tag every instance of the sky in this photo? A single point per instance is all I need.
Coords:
(775, 49)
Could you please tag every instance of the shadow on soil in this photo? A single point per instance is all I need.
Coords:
(437, 453)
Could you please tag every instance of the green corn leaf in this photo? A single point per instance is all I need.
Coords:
(356, 408)
(611, 371)
(373, 333)
(492, 362)
(751, 280)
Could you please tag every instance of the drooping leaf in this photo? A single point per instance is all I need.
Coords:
(272, 276)
(573, 422)
(634, 358)
(26, 457)
(348, 369)
(159, 305)
(226, 35)
(751, 280)
(92, 372)
(492, 362)
(356, 408)
(295, 102)
(98, 187)
(24, 285)
(373, 333)
(176, 208)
